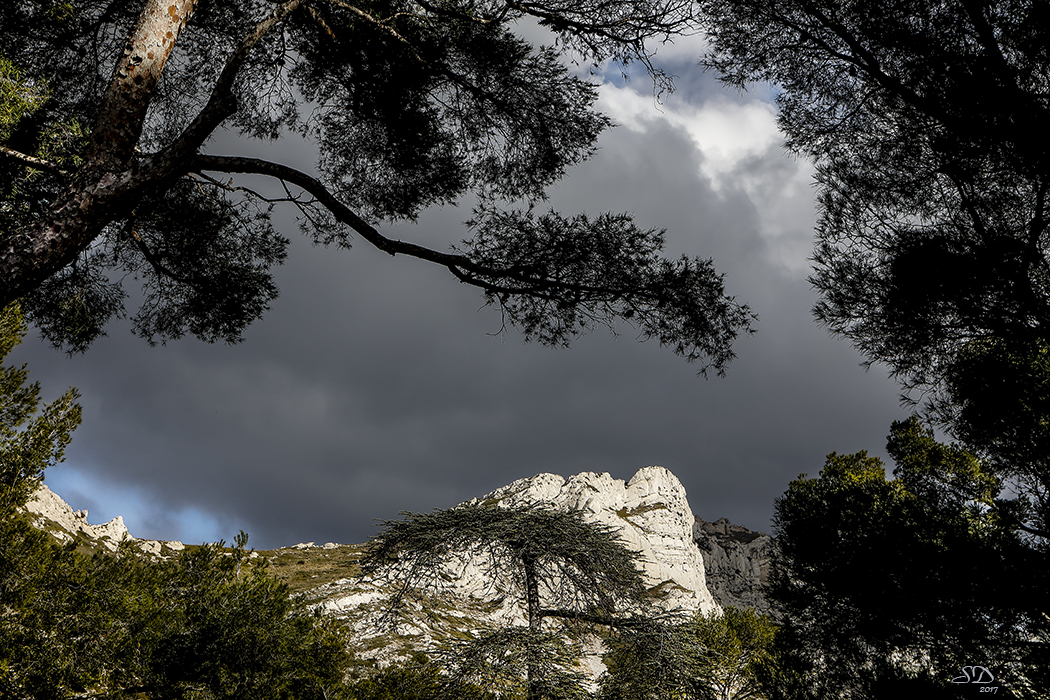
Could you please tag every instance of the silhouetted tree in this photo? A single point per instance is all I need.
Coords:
(108, 107)
(885, 585)
(932, 256)
(924, 120)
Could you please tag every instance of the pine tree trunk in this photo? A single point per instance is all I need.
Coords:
(107, 181)
(532, 597)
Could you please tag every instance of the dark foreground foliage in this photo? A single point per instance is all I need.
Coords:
(899, 584)
(209, 623)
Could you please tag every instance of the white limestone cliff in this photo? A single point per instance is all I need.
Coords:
(52, 514)
(650, 512)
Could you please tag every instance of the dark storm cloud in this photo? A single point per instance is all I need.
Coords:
(378, 384)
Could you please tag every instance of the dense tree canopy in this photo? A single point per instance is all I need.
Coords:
(927, 124)
(887, 585)
(926, 121)
(106, 173)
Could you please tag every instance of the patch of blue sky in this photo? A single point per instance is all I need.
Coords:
(105, 500)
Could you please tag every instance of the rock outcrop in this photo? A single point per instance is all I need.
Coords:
(737, 563)
(650, 511)
(53, 515)
(700, 566)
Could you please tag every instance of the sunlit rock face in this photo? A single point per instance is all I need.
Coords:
(650, 512)
(52, 514)
(736, 563)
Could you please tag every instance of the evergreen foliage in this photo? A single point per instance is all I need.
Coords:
(31, 438)
(891, 585)
(560, 567)
(712, 656)
(105, 175)
(210, 623)
(924, 119)
(518, 662)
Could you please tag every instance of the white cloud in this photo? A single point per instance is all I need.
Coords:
(741, 151)
(726, 132)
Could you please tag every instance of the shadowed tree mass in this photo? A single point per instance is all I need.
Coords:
(927, 124)
(926, 121)
(958, 577)
(108, 108)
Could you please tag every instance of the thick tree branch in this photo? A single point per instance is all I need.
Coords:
(465, 269)
(342, 213)
(133, 84)
(1037, 226)
(103, 187)
(512, 258)
(457, 263)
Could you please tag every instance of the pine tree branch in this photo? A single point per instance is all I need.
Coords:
(343, 213)
(34, 162)
(465, 269)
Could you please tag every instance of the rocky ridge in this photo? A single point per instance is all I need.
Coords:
(737, 563)
(52, 514)
(650, 511)
(701, 566)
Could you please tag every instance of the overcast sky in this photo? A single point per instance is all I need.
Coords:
(378, 384)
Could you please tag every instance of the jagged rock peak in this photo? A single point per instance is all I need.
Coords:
(737, 563)
(722, 527)
(651, 512)
(52, 514)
